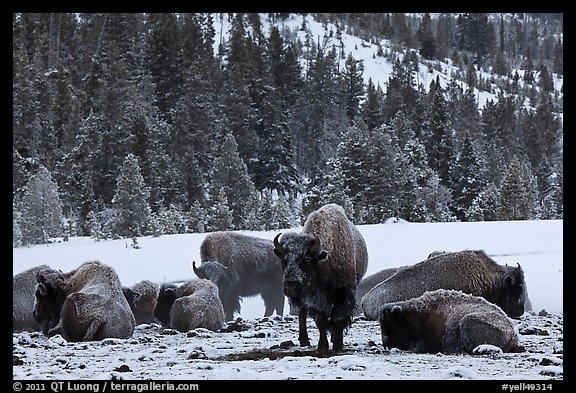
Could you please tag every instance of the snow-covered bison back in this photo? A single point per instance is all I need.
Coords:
(86, 304)
(446, 321)
(202, 308)
(469, 271)
(321, 271)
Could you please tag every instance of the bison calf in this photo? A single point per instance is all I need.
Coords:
(202, 308)
(86, 304)
(446, 321)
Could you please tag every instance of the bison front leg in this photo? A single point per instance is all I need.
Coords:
(322, 324)
(302, 329)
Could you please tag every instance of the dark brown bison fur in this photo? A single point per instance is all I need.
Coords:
(142, 298)
(242, 266)
(167, 295)
(468, 271)
(446, 321)
(85, 304)
(201, 308)
(23, 294)
(320, 272)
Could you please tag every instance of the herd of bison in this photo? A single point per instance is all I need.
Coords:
(452, 302)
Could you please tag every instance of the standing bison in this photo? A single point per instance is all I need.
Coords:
(85, 304)
(23, 294)
(321, 271)
(240, 266)
(468, 271)
(446, 321)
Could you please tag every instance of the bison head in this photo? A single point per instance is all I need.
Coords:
(513, 292)
(211, 270)
(49, 299)
(299, 254)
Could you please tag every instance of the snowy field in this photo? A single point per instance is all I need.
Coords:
(259, 348)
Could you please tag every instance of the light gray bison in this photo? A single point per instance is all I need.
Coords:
(142, 298)
(23, 294)
(242, 266)
(85, 304)
(320, 272)
(446, 321)
(468, 271)
(201, 308)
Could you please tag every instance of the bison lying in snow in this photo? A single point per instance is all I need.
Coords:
(85, 304)
(446, 321)
(202, 308)
(142, 298)
(23, 290)
(321, 273)
(468, 271)
(173, 298)
(241, 266)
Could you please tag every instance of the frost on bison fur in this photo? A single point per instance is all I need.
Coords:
(242, 266)
(23, 294)
(468, 271)
(446, 321)
(368, 282)
(321, 272)
(86, 304)
(142, 298)
(202, 308)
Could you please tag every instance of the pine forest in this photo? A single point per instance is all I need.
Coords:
(137, 124)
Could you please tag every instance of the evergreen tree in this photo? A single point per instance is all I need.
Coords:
(283, 213)
(352, 86)
(517, 192)
(130, 202)
(164, 59)
(41, 209)
(196, 218)
(426, 38)
(220, 217)
(440, 146)
(467, 178)
(372, 108)
(401, 93)
(486, 205)
(16, 231)
(353, 158)
(229, 173)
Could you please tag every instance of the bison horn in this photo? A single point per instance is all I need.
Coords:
(195, 269)
(277, 245)
(316, 245)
